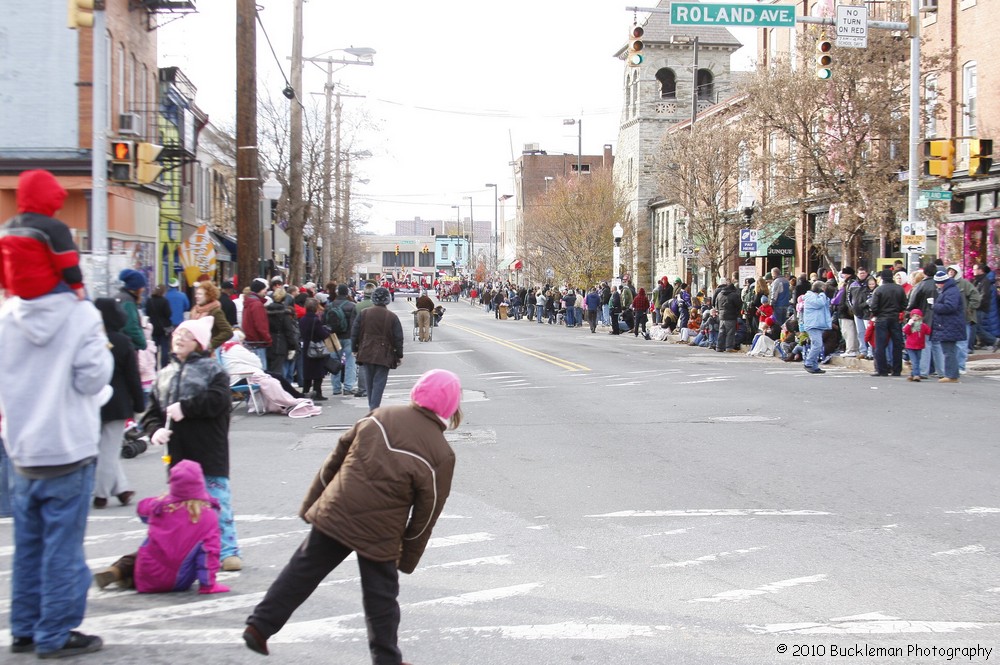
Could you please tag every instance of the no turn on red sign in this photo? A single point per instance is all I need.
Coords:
(852, 26)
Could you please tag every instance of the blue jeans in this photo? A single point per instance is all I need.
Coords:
(570, 317)
(350, 370)
(376, 376)
(606, 313)
(915, 361)
(862, 325)
(811, 359)
(6, 483)
(962, 349)
(950, 350)
(538, 312)
(50, 574)
(218, 489)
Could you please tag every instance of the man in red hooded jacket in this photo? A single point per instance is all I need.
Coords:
(37, 252)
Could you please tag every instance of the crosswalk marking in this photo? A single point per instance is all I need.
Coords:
(773, 587)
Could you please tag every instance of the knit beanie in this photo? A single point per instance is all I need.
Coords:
(200, 329)
(381, 296)
(132, 279)
(438, 390)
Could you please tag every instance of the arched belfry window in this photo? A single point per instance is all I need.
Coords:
(668, 83)
(706, 85)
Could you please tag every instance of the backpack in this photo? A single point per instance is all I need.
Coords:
(335, 319)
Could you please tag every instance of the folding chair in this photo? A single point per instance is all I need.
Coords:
(247, 394)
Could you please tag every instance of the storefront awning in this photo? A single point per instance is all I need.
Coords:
(505, 265)
(225, 247)
(780, 246)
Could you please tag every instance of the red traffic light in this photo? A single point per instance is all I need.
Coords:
(637, 31)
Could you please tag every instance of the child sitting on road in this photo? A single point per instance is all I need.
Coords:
(183, 542)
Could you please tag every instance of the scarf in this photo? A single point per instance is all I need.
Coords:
(186, 380)
(199, 311)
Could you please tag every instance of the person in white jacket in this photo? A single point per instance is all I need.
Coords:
(56, 367)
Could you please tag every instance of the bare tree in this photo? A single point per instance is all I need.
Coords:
(569, 228)
(839, 142)
(700, 171)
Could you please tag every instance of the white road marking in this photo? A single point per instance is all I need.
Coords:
(713, 512)
(712, 379)
(868, 624)
(708, 557)
(539, 526)
(438, 353)
(460, 539)
(968, 549)
(8, 550)
(265, 518)
(499, 375)
(744, 594)
(978, 510)
(569, 630)
(664, 533)
(619, 385)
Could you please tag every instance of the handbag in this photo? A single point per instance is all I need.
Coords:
(316, 349)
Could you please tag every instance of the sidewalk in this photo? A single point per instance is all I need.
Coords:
(982, 362)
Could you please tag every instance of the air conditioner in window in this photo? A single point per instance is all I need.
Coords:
(928, 5)
(129, 123)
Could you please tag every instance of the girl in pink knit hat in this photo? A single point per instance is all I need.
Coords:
(379, 494)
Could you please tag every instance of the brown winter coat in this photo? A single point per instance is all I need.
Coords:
(394, 459)
(377, 337)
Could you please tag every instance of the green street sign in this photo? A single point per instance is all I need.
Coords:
(935, 194)
(695, 13)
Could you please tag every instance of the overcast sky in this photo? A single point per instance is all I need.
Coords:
(456, 91)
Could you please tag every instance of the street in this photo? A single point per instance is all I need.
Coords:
(618, 501)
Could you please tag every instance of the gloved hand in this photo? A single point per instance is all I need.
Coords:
(291, 355)
(215, 588)
(175, 413)
(160, 437)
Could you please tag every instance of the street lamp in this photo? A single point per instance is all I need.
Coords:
(496, 198)
(272, 192)
(579, 141)
(472, 235)
(458, 232)
(617, 232)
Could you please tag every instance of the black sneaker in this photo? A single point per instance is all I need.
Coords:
(22, 645)
(77, 645)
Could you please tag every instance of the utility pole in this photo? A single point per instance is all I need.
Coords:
(247, 177)
(337, 221)
(297, 220)
(99, 159)
(326, 231)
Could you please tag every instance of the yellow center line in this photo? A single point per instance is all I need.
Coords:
(559, 362)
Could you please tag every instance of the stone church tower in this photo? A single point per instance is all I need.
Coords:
(657, 95)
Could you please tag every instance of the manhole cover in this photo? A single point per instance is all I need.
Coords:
(745, 419)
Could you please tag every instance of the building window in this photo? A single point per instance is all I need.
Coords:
(132, 70)
(635, 94)
(444, 252)
(930, 106)
(706, 85)
(969, 99)
(120, 80)
(668, 83)
(426, 260)
(584, 168)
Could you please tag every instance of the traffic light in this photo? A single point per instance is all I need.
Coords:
(980, 157)
(147, 169)
(824, 59)
(122, 161)
(425, 250)
(635, 57)
(397, 250)
(76, 17)
(939, 157)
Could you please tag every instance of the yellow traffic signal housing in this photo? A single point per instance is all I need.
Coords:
(980, 157)
(824, 59)
(122, 161)
(78, 14)
(147, 169)
(635, 45)
(397, 250)
(940, 157)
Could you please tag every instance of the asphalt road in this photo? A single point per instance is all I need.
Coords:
(621, 501)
